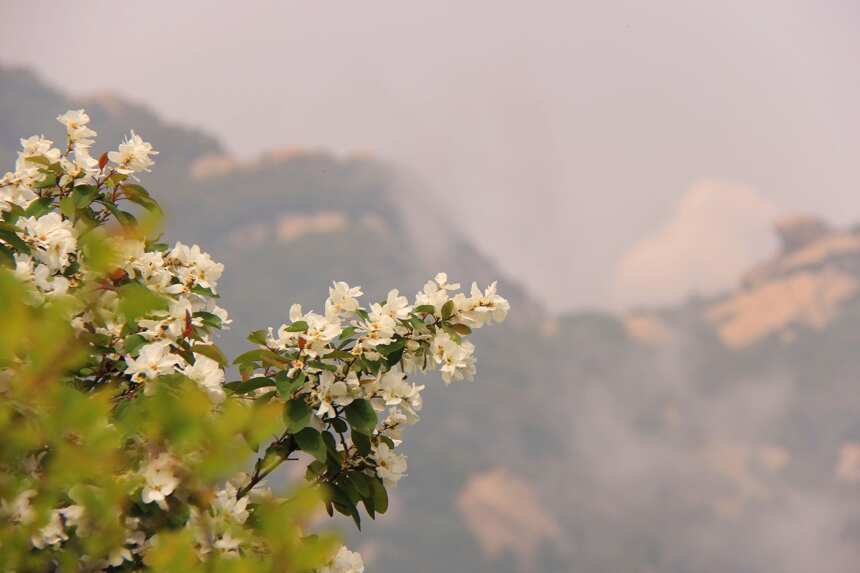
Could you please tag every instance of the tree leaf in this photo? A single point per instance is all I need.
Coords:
(379, 495)
(211, 351)
(310, 441)
(243, 387)
(361, 416)
(83, 195)
(298, 326)
(297, 414)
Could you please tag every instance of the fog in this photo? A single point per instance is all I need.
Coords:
(624, 156)
(558, 134)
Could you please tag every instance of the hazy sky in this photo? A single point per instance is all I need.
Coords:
(562, 132)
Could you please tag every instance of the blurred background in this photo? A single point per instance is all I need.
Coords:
(666, 191)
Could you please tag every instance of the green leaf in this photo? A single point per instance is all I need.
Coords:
(379, 495)
(137, 194)
(461, 329)
(339, 425)
(250, 356)
(126, 219)
(347, 332)
(344, 504)
(240, 387)
(286, 385)
(425, 309)
(67, 206)
(258, 337)
(322, 365)
(50, 180)
(40, 160)
(211, 351)
(448, 310)
(8, 234)
(310, 441)
(208, 318)
(298, 326)
(361, 483)
(297, 414)
(7, 259)
(338, 355)
(135, 300)
(386, 349)
(39, 207)
(361, 443)
(133, 343)
(204, 291)
(83, 195)
(361, 416)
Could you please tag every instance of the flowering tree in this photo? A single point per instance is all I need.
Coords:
(123, 444)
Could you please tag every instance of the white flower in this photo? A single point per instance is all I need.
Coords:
(393, 390)
(342, 299)
(345, 561)
(154, 360)
(194, 266)
(378, 329)
(19, 510)
(15, 194)
(52, 534)
(160, 480)
(435, 292)
(208, 374)
(482, 307)
(81, 170)
(133, 155)
(51, 239)
(227, 545)
(118, 555)
(396, 306)
(390, 466)
(226, 503)
(456, 361)
(36, 146)
(321, 330)
(28, 270)
(330, 392)
(171, 324)
(76, 127)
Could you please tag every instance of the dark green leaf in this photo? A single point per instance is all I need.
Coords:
(298, 326)
(211, 351)
(361, 416)
(240, 387)
(83, 195)
(133, 343)
(361, 483)
(297, 414)
(379, 495)
(204, 291)
(310, 441)
(208, 318)
(361, 443)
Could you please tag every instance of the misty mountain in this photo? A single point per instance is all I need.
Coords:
(717, 435)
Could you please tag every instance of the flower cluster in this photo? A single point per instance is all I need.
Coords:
(147, 314)
(350, 365)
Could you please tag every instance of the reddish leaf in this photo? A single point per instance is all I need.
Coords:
(188, 330)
